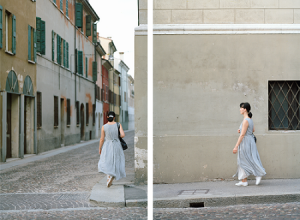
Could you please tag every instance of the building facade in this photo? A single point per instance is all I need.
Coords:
(18, 85)
(209, 56)
(99, 96)
(130, 92)
(66, 73)
(106, 67)
(123, 69)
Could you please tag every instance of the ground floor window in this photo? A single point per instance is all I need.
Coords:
(284, 105)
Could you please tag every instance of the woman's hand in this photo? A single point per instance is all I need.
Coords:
(235, 149)
(239, 131)
(99, 151)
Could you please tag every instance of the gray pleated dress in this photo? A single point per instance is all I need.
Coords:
(248, 159)
(112, 159)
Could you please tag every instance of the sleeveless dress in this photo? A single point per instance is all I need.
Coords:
(248, 159)
(112, 159)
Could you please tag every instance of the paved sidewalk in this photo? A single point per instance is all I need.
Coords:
(199, 194)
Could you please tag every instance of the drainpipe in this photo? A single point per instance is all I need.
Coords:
(75, 55)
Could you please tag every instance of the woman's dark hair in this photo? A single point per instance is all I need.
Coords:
(246, 106)
(110, 119)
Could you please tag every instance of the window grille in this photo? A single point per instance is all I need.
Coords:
(55, 111)
(284, 105)
(68, 112)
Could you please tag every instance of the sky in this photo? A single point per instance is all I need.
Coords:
(118, 18)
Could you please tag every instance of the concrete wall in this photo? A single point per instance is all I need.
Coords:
(222, 11)
(140, 139)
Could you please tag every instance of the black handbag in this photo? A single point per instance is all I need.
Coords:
(254, 138)
(123, 143)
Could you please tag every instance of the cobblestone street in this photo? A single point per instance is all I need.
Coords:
(59, 182)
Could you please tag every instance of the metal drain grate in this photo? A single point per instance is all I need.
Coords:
(74, 196)
(193, 192)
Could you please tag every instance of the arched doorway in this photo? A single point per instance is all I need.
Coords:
(82, 121)
(12, 118)
(28, 116)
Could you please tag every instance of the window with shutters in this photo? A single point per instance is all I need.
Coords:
(68, 112)
(107, 94)
(1, 25)
(55, 111)
(63, 44)
(67, 8)
(125, 100)
(10, 33)
(40, 36)
(94, 71)
(87, 114)
(115, 99)
(58, 49)
(86, 67)
(67, 55)
(88, 26)
(61, 6)
(80, 62)
(94, 33)
(31, 44)
(77, 112)
(79, 15)
(94, 112)
(39, 109)
(284, 105)
(102, 95)
(54, 47)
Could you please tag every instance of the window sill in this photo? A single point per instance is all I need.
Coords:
(37, 53)
(55, 126)
(30, 61)
(77, 125)
(54, 4)
(61, 11)
(9, 52)
(87, 124)
(38, 128)
(68, 126)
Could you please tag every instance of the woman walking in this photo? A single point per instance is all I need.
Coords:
(112, 159)
(248, 159)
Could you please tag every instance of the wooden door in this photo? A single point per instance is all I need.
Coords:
(25, 125)
(8, 135)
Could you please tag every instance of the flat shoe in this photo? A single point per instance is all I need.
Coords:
(109, 183)
(242, 183)
(258, 179)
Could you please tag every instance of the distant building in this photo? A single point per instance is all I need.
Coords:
(123, 69)
(130, 92)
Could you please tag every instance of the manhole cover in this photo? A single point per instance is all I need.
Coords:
(193, 192)
(77, 196)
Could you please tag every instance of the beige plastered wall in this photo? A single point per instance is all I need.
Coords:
(198, 86)
(222, 12)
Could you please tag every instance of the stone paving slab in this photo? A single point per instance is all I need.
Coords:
(108, 197)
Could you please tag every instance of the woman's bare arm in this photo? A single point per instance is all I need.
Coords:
(253, 129)
(122, 133)
(242, 135)
(101, 139)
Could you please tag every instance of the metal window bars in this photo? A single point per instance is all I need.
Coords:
(284, 105)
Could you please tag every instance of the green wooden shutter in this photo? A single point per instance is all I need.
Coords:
(29, 42)
(52, 45)
(54, 1)
(64, 51)
(34, 45)
(14, 34)
(38, 34)
(43, 37)
(88, 25)
(80, 63)
(79, 13)
(1, 26)
(67, 8)
(94, 71)
(58, 49)
(94, 33)
(61, 4)
(67, 55)
(86, 67)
